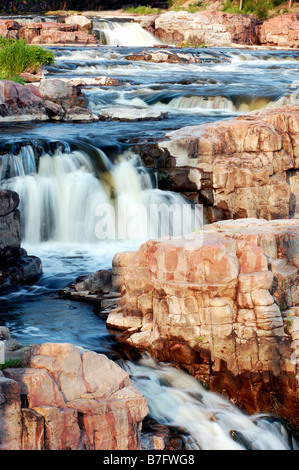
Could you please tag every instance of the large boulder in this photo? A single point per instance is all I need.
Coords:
(81, 20)
(18, 103)
(221, 304)
(67, 398)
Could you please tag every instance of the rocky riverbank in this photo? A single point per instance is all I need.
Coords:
(210, 28)
(219, 29)
(223, 305)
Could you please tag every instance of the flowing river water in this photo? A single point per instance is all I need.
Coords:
(83, 166)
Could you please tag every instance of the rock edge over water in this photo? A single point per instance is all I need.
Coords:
(223, 305)
(66, 398)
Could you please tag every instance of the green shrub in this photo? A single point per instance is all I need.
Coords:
(16, 56)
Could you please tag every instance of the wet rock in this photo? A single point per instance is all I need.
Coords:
(95, 81)
(77, 113)
(97, 283)
(130, 115)
(9, 201)
(168, 56)
(16, 267)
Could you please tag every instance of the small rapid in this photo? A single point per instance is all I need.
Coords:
(209, 421)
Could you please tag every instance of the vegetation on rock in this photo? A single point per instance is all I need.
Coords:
(17, 57)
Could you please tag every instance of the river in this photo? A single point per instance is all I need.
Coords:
(60, 197)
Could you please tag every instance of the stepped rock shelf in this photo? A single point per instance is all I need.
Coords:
(238, 168)
(223, 305)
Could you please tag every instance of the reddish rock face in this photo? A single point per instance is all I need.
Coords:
(75, 400)
(238, 168)
(213, 28)
(46, 33)
(282, 31)
(217, 304)
(19, 103)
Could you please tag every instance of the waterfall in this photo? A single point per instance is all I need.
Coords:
(202, 102)
(76, 195)
(209, 421)
(126, 33)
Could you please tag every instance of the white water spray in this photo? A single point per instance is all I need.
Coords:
(126, 33)
(67, 199)
(210, 421)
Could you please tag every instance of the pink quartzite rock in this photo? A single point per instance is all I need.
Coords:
(76, 400)
(213, 28)
(238, 168)
(218, 304)
(282, 31)
(18, 103)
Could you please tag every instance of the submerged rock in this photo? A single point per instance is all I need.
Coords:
(130, 115)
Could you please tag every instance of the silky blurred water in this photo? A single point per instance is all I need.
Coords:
(227, 82)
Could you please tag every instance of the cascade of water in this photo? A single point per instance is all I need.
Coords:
(126, 33)
(209, 420)
(78, 196)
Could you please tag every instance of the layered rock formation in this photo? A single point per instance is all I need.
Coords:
(222, 304)
(282, 31)
(67, 398)
(216, 28)
(47, 33)
(16, 267)
(238, 168)
(213, 28)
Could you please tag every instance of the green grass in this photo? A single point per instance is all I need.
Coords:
(141, 10)
(260, 9)
(16, 56)
(12, 362)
